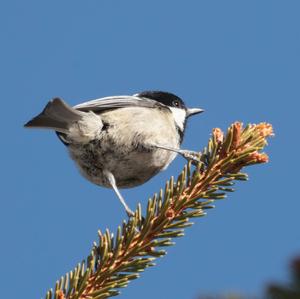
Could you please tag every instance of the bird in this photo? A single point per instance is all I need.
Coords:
(120, 141)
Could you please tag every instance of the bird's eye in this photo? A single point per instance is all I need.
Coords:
(176, 103)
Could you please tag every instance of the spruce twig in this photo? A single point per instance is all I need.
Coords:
(116, 260)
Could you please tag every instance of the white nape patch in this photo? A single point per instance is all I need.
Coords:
(179, 116)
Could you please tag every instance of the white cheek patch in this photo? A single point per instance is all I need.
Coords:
(179, 116)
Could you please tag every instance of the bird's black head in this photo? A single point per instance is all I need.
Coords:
(166, 98)
(175, 104)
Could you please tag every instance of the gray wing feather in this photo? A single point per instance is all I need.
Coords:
(107, 103)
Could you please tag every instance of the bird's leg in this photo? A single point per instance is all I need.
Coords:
(113, 184)
(189, 155)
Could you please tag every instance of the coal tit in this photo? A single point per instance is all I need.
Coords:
(120, 141)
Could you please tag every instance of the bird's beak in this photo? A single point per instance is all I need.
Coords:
(192, 111)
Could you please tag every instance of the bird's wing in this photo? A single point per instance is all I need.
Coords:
(108, 103)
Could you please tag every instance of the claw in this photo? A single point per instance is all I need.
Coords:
(189, 155)
(129, 213)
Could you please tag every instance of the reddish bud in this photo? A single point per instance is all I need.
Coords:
(170, 214)
(237, 129)
(61, 295)
(218, 135)
(259, 157)
(265, 129)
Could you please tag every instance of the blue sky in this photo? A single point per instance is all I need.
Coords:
(239, 60)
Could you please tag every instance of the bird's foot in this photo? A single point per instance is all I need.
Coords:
(129, 213)
(190, 155)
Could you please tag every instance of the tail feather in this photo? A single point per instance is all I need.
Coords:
(57, 115)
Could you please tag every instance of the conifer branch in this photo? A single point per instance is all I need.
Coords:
(115, 260)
